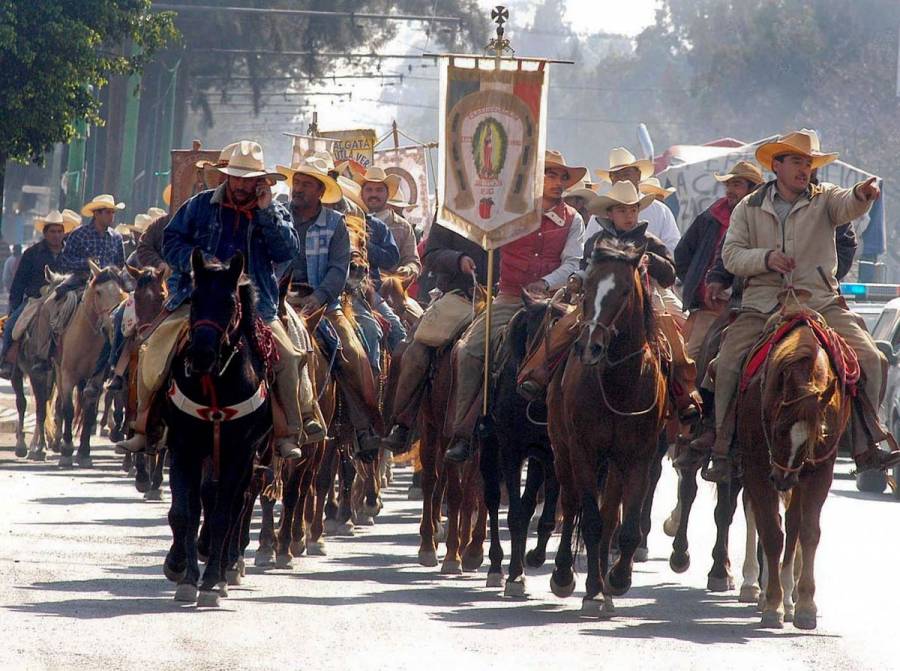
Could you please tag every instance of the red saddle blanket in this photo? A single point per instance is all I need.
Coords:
(843, 358)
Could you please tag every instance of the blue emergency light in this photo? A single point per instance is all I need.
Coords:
(870, 292)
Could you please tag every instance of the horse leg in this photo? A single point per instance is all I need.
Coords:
(512, 476)
(719, 578)
(208, 496)
(66, 415)
(793, 520)
(283, 539)
(242, 506)
(141, 474)
(490, 475)
(591, 531)
(680, 559)
(535, 558)
(562, 580)
(813, 498)
(347, 476)
(21, 407)
(156, 476)
(180, 564)
(89, 406)
(473, 556)
(633, 493)
(534, 480)
(451, 564)
(750, 569)
(764, 500)
(428, 447)
(265, 553)
(641, 555)
(325, 487)
(673, 521)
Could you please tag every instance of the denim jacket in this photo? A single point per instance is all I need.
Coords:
(271, 243)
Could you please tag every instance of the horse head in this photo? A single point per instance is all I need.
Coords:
(149, 292)
(105, 290)
(613, 300)
(215, 312)
(800, 407)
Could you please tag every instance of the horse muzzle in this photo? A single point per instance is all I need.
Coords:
(782, 481)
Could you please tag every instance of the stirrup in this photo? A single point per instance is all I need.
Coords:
(718, 471)
(459, 452)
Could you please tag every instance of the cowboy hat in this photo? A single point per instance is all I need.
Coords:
(653, 187)
(101, 202)
(804, 142)
(553, 159)
(316, 168)
(156, 212)
(379, 176)
(141, 223)
(246, 160)
(399, 203)
(67, 219)
(582, 189)
(619, 159)
(222, 161)
(621, 193)
(123, 229)
(350, 168)
(352, 192)
(744, 170)
(167, 194)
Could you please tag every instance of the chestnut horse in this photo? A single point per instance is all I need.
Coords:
(791, 417)
(606, 409)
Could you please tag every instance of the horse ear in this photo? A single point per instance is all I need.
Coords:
(134, 272)
(47, 274)
(827, 394)
(197, 263)
(95, 269)
(236, 267)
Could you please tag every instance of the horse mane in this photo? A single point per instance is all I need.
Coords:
(247, 298)
(517, 336)
(615, 250)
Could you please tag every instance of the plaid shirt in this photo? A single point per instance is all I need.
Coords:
(86, 243)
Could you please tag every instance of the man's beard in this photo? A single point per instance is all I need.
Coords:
(375, 204)
(241, 197)
(299, 201)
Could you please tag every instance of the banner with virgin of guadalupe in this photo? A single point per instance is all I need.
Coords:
(493, 128)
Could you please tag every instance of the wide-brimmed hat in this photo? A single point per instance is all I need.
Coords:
(553, 159)
(399, 203)
(744, 170)
(156, 212)
(101, 202)
(379, 176)
(246, 160)
(222, 161)
(653, 187)
(351, 168)
(67, 219)
(621, 193)
(619, 159)
(804, 142)
(582, 189)
(352, 191)
(123, 229)
(141, 223)
(317, 169)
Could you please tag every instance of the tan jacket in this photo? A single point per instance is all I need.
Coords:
(807, 236)
(405, 238)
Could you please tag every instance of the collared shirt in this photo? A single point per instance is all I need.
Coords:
(106, 248)
(324, 258)
(571, 254)
(782, 207)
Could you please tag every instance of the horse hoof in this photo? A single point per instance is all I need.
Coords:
(617, 588)
(364, 520)
(104, 432)
(451, 567)
(562, 591)
(670, 528)
(202, 558)
(805, 619)
(143, 486)
(186, 592)
(331, 527)
(725, 584)
(298, 548)
(593, 606)
(535, 558)
(494, 580)
(641, 555)
(208, 599)
(749, 594)
(84, 461)
(127, 462)
(788, 614)
(428, 558)
(21, 450)
(153, 495)
(772, 619)
(37, 455)
(414, 494)
(264, 557)
(175, 576)
(222, 588)
(66, 461)
(284, 561)
(515, 589)
(316, 549)
(472, 562)
(241, 566)
(680, 563)
(233, 577)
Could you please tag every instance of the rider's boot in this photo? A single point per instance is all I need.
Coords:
(719, 469)
(460, 452)
(866, 453)
(397, 440)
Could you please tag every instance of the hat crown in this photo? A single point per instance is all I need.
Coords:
(619, 157)
(326, 158)
(653, 181)
(552, 156)
(375, 174)
(624, 192)
(156, 212)
(804, 139)
(53, 217)
(71, 215)
(246, 155)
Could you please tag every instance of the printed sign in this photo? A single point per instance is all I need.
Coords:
(410, 165)
(358, 145)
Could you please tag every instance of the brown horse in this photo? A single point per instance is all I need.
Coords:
(790, 420)
(606, 410)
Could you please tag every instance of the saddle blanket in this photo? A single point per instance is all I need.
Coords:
(28, 313)
(842, 356)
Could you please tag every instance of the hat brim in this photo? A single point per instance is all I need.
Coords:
(401, 204)
(656, 191)
(766, 154)
(587, 194)
(753, 179)
(40, 224)
(576, 174)
(392, 182)
(249, 174)
(333, 192)
(644, 165)
(600, 206)
(88, 209)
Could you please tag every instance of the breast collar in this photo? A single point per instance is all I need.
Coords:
(213, 413)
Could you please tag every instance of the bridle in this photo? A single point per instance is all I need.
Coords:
(227, 337)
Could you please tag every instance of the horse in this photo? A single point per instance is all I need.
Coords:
(518, 434)
(791, 416)
(218, 378)
(590, 427)
(78, 362)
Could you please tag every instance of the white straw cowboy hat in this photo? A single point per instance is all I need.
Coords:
(101, 202)
(582, 189)
(379, 176)
(621, 193)
(246, 160)
(654, 187)
(744, 170)
(352, 191)
(67, 219)
(123, 229)
(141, 223)
(222, 161)
(156, 212)
(399, 203)
(804, 142)
(619, 159)
(316, 168)
(553, 159)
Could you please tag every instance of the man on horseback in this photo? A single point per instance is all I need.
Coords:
(239, 215)
(538, 263)
(780, 237)
(30, 277)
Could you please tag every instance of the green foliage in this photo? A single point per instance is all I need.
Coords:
(54, 52)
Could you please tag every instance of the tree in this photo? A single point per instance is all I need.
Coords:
(54, 54)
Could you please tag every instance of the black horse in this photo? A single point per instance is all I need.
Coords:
(218, 415)
(518, 432)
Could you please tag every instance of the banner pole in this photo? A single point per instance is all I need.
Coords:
(487, 333)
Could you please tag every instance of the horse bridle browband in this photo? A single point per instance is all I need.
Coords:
(225, 334)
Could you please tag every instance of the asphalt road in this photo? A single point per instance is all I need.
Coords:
(81, 587)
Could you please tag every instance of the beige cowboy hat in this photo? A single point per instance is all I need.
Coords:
(67, 219)
(744, 170)
(316, 168)
(553, 158)
(246, 160)
(621, 193)
(222, 161)
(399, 203)
(582, 189)
(654, 187)
(123, 229)
(379, 176)
(101, 202)
(352, 192)
(326, 157)
(141, 223)
(156, 212)
(350, 168)
(804, 142)
(619, 159)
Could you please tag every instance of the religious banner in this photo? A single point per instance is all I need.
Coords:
(193, 171)
(357, 145)
(493, 127)
(410, 165)
(306, 145)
